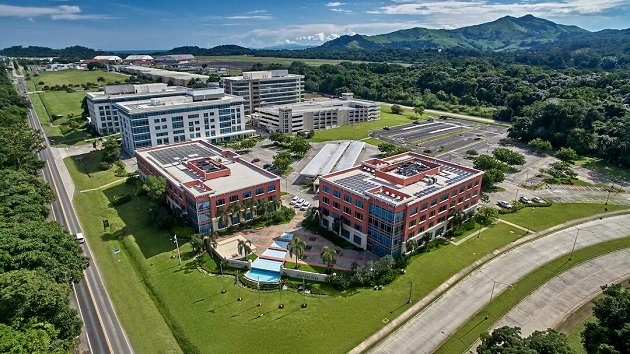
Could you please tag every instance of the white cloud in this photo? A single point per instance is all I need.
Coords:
(335, 4)
(62, 12)
(318, 37)
(343, 11)
(249, 17)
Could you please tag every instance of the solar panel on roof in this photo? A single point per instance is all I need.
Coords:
(174, 153)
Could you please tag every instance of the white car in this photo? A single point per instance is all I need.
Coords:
(79, 237)
(299, 202)
(305, 206)
(525, 200)
(538, 200)
(294, 200)
(504, 204)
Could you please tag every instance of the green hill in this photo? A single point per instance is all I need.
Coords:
(506, 33)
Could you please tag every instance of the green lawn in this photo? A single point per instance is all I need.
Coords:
(466, 335)
(615, 173)
(541, 218)
(306, 267)
(184, 307)
(372, 141)
(73, 77)
(361, 130)
(86, 172)
(575, 336)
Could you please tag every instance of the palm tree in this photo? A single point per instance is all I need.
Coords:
(296, 248)
(210, 241)
(222, 214)
(197, 243)
(329, 256)
(244, 247)
(411, 245)
(100, 79)
(277, 203)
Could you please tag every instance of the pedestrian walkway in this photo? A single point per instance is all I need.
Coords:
(438, 321)
(549, 305)
(514, 225)
(476, 233)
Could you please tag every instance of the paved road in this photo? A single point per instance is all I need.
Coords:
(430, 328)
(558, 298)
(104, 332)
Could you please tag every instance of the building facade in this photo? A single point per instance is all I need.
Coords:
(263, 88)
(200, 113)
(316, 115)
(206, 182)
(101, 105)
(383, 203)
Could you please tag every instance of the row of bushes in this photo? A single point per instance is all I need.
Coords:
(121, 199)
(518, 206)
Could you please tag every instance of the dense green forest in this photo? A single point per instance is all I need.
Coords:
(39, 260)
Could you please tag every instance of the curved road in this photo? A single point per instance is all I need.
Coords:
(559, 297)
(425, 332)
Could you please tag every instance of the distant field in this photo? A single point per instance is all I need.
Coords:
(67, 77)
(270, 60)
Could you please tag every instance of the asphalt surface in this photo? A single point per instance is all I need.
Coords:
(103, 330)
(425, 332)
(549, 305)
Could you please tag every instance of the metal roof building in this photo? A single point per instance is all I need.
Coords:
(333, 157)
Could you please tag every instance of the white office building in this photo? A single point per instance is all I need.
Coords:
(103, 114)
(265, 88)
(207, 114)
(315, 115)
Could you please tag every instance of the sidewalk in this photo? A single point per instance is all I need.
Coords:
(420, 305)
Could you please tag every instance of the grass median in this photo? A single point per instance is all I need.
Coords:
(465, 336)
(86, 171)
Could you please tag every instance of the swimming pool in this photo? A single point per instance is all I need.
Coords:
(263, 276)
(274, 253)
(286, 236)
(280, 244)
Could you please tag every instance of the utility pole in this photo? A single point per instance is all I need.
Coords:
(410, 289)
(179, 255)
(574, 242)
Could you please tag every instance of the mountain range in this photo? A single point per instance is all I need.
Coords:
(506, 33)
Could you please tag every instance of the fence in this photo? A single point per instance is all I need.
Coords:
(235, 263)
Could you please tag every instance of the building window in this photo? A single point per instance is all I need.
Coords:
(358, 215)
(336, 205)
(325, 200)
(423, 218)
(454, 193)
(247, 194)
(442, 209)
(475, 193)
(233, 198)
(357, 239)
(467, 196)
(336, 194)
(326, 189)
(434, 202)
(347, 210)
(461, 189)
(358, 203)
(271, 188)
(476, 183)
(424, 207)
(260, 191)
(444, 197)
(412, 223)
(432, 214)
(358, 227)
(414, 211)
(347, 199)
(220, 202)
(469, 185)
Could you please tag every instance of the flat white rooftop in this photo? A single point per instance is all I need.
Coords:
(318, 105)
(167, 103)
(170, 160)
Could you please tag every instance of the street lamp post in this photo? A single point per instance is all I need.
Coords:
(179, 255)
(494, 284)
(410, 289)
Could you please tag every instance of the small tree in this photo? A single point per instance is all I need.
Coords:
(297, 248)
(539, 144)
(196, 241)
(244, 247)
(566, 154)
(509, 340)
(411, 246)
(111, 151)
(418, 110)
(396, 109)
(299, 146)
(508, 156)
(486, 215)
(155, 187)
(611, 330)
(329, 256)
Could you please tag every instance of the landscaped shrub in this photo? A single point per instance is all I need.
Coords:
(121, 199)
(104, 166)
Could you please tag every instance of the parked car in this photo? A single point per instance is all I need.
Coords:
(305, 205)
(255, 160)
(299, 202)
(525, 200)
(387, 128)
(79, 237)
(430, 119)
(538, 200)
(267, 166)
(294, 200)
(504, 204)
(416, 122)
(443, 117)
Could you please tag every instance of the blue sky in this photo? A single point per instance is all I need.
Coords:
(163, 24)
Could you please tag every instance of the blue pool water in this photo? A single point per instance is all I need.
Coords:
(274, 253)
(280, 244)
(263, 276)
(267, 264)
(286, 236)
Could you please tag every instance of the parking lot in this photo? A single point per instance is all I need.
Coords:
(442, 136)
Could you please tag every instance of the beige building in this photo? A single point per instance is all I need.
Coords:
(265, 88)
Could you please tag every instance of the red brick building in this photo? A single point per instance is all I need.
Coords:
(382, 203)
(204, 179)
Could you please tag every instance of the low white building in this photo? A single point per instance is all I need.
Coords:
(138, 57)
(175, 77)
(315, 115)
(111, 58)
(200, 113)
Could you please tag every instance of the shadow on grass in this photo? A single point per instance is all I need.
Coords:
(88, 163)
(287, 314)
(135, 215)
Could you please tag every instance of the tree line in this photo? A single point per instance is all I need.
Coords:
(39, 260)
